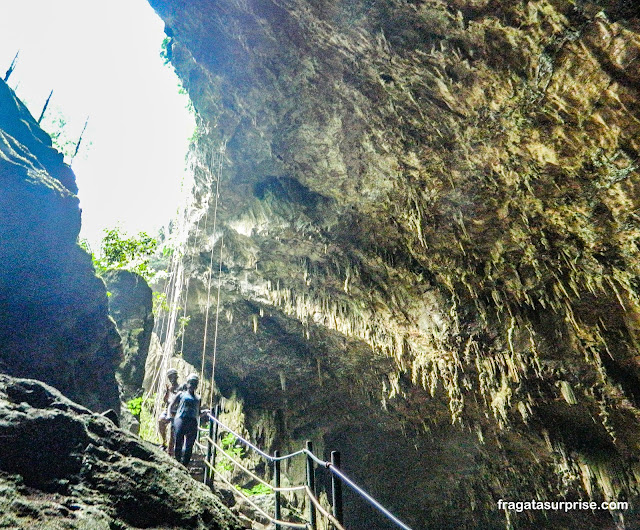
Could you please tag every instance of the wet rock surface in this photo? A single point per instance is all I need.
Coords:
(62, 466)
(54, 324)
(429, 207)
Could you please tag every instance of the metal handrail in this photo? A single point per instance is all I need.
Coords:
(322, 510)
(249, 444)
(255, 506)
(328, 465)
(366, 496)
(251, 473)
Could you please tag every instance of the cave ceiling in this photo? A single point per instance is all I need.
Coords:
(435, 205)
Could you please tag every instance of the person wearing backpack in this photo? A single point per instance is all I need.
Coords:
(186, 420)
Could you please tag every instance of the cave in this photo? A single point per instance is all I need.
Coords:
(412, 238)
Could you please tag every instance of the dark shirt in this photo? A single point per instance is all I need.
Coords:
(188, 405)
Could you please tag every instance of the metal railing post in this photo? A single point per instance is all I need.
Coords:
(336, 489)
(208, 473)
(276, 484)
(216, 415)
(311, 482)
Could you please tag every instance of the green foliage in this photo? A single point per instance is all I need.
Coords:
(57, 127)
(160, 303)
(164, 50)
(197, 134)
(228, 443)
(189, 106)
(130, 253)
(142, 409)
(148, 421)
(183, 322)
(231, 448)
(258, 489)
(135, 406)
(84, 243)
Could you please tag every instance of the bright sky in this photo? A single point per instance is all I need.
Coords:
(102, 60)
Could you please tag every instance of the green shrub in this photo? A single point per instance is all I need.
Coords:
(165, 50)
(118, 251)
(258, 489)
(135, 406)
(228, 443)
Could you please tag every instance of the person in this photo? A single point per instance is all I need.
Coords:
(171, 390)
(186, 420)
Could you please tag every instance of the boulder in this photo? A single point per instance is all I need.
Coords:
(62, 466)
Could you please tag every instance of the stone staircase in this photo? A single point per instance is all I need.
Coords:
(197, 466)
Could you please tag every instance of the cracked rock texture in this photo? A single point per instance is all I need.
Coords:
(430, 221)
(54, 324)
(62, 466)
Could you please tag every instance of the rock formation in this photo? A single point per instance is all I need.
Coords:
(54, 324)
(430, 226)
(62, 466)
(131, 307)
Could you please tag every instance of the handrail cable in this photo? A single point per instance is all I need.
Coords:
(366, 496)
(271, 519)
(249, 444)
(304, 488)
(333, 469)
(323, 510)
(251, 473)
(317, 460)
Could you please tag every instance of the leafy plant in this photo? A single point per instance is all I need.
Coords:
(231, 448)
(118, 251)
(160, 303)
(148, 421)
(258, 489)
(135, 406)
(189, 106)
(183, 322)
(142, 409)
(56, 125)
(228, 443)
(165, 50)
(197, 134)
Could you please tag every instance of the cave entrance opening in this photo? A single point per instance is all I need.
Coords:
(104, 60)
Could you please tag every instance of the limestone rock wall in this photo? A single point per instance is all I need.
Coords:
(447, 186)
(65, 467)
(131, 307)
(54, 324)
